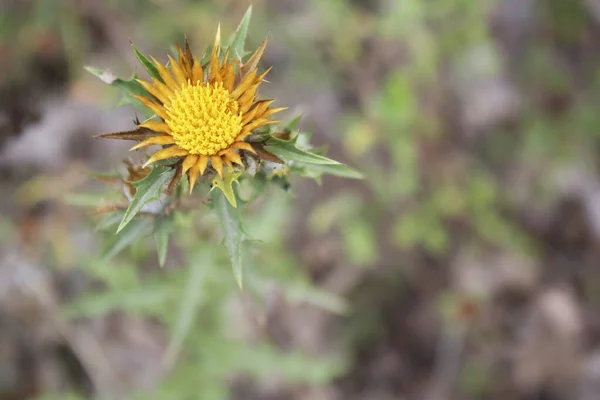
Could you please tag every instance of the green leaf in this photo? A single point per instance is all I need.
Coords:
(287, 150)
(225, 184)
(134, 231)
(293, 123)
(127, 88)
(126, 85)
(163, 226)
(147, 189)
(316, 171)
(145, 300)
(193, 297)
(308, 294)
(299, 292)
(147, 64)
(104, 76)
(233, 233)
(238, 41)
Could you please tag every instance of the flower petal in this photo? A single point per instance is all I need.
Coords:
(252, 63)
(228, 74)
(164, 90)
(156, 126)
(257, 110)
(185, 60)
(233, 156)
(215, 65)
(217, 164)
(271, 111)
(257, 124)
(243, 146)
(173, 151)
(165, 75)
(160, 139)
(215, 69)
(225, 60)
(193, 176)
(188, 163)
(217, 45)
(227, 161)
(177, 72)
(244, 84)
(197, 72)
(158, 109)
(247, 98)
(248, 116)
(153, 91)
(260, 78)
(201, 164)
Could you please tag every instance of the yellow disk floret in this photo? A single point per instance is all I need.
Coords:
(203, 118)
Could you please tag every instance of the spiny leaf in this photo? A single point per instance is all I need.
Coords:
(233, 233)
(293, 123)
(287, 150)
(225, 184)
(265, 155)
(146, 190)
(147, 64)
(104, 76)
(316, 171)
(134, 231)
(127, 88)
(163, 226)
(238, 41)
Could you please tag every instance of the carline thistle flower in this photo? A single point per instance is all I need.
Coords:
(205, 112)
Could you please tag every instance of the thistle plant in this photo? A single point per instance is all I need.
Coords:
(213, 135)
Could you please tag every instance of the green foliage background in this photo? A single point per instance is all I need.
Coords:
(430, 188)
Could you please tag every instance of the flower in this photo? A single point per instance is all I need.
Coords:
(205, 112)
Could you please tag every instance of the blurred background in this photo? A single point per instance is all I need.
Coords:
(465, 266)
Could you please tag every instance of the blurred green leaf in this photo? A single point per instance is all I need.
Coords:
(131, 234)
(359, 241)
(143, 300)
(163, 226)
(116, 276)
(294, 367)
(109, 220)
(233, 233)
(91, 199)
(60, 396)
(333, 211)
(147, 189)
(308, 294)
(201, 259)
(396, 105)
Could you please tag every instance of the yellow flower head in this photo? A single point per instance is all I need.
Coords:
(205, 112)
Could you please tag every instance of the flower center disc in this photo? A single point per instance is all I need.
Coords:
(204, 119)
